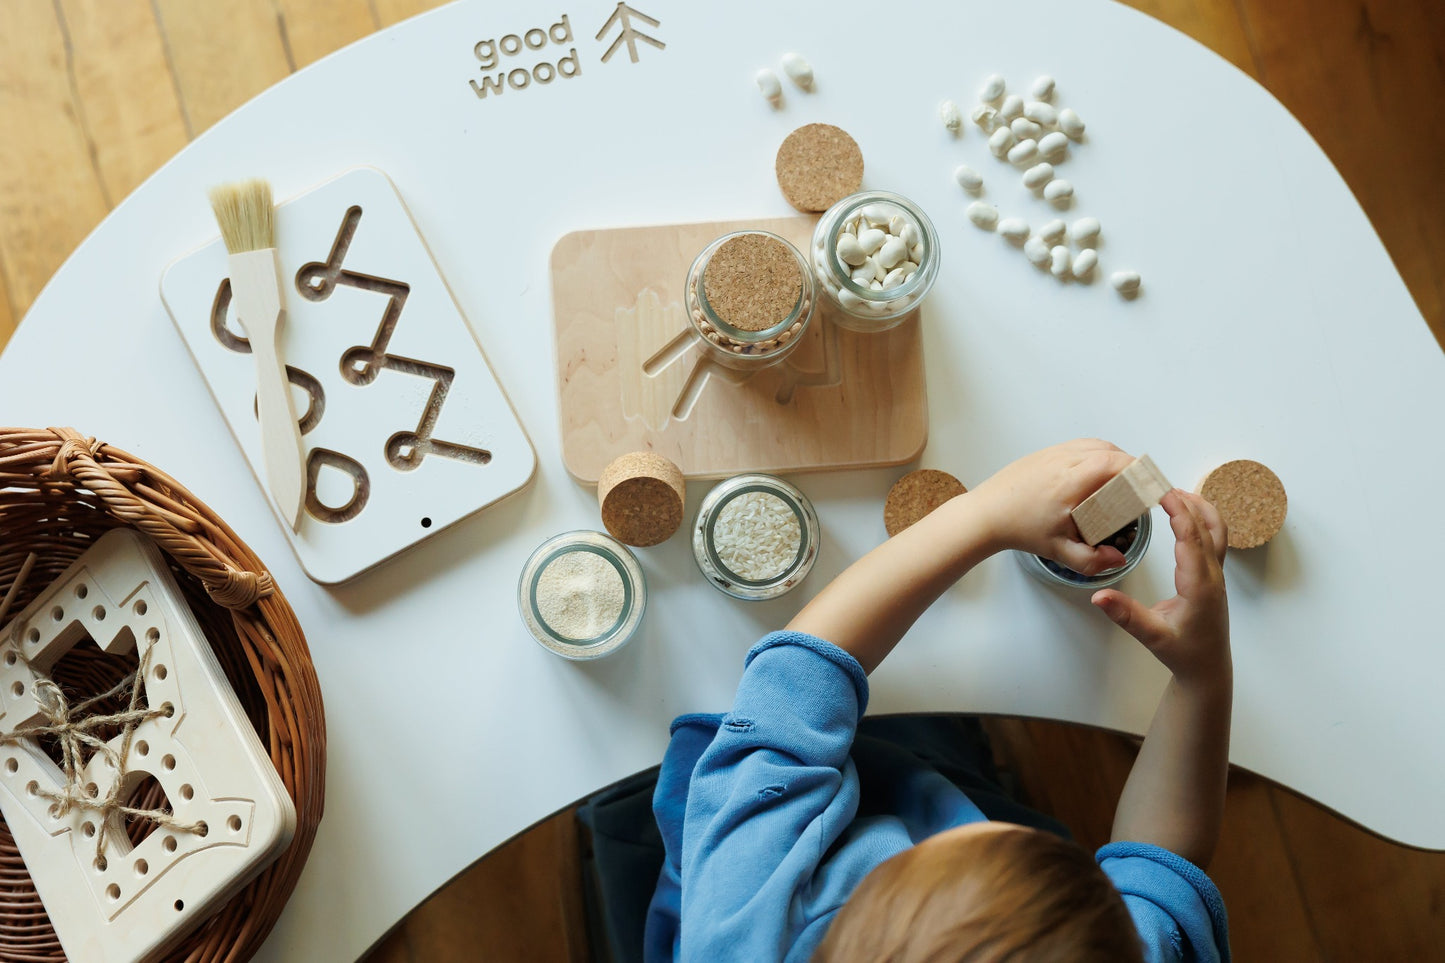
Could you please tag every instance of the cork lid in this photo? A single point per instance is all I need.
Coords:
(641, 495)
(915, 495)
(752, 282)
(1250, 499)
(818, 165)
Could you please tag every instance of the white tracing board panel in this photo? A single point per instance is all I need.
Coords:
(232, 815)
(404, 427)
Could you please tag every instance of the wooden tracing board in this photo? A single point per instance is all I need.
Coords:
(629, 378)
(404, 426)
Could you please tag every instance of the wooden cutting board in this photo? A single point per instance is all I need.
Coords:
(627, 381)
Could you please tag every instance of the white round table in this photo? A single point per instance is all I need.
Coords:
(1272, 326)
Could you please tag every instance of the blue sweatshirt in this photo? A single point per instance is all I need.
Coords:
(757, 811)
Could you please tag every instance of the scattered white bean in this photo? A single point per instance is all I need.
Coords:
(1014, 228)
(1041, 113)
(1038, 175)
(1013, 106)
(871, 239)
(1023, 152)
(993, 89)
(1025, 129)
(968, 178)
(1001, 141)
(1059, 261)
(1125, 282)
(893, 253)
(1052, 144)
(986, 118)
(1085, 231)
(1036, 249)
(1070, 123)
(799, 71)
(1059, 190)
(1054, 231)
(850, 251)
(1043, 88)
(951, 116)
(769, 84)
(1085, 262)
(984, 215)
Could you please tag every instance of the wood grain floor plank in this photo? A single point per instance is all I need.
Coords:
(7, 313)
(125, 88)
(223, 53)
(1367, 80)
(50, 196)
(315, 28)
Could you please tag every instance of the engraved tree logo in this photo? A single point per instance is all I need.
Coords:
(623, 15)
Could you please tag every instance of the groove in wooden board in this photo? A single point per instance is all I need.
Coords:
(49, 194)
(127, 95)
(850, 400)
(1366, 80)
(223, 52)
(315, 28)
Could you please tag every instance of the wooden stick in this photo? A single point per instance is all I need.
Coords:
(1123, 498)
(16, 586)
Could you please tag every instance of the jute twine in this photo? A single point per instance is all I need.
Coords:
(60, 491)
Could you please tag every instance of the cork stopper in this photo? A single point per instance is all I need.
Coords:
(752, 282)
(915, 495)
(818, 165)
(641, 494)
(1250, 499)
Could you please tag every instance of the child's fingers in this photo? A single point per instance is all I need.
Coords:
(1088, 560)
(1096, 467)
(1190, 553)
(1213, 523)
(1129, 614)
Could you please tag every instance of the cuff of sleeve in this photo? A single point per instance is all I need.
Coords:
(839, 657)
(1196, 877)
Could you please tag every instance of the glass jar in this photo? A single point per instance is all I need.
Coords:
(721, 533)
(866, 304)
(735, 347)
(1051, 572)
(590, 605)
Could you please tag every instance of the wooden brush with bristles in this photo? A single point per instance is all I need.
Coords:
(247, 217)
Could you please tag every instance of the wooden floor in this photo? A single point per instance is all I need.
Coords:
(96, 94)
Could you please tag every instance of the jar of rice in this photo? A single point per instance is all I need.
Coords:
(756, 537)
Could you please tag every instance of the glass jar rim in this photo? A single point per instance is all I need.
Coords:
(805, 294)
(634, 593)
(927, 236)
(723, 578)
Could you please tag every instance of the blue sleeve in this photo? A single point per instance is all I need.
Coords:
(768, 797)
(1176, 908)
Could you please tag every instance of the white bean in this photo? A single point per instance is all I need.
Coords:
(1125, 282)
(1001, 141)
(876, 215)
(984, 215)
(893, 253)
(850, 251)
(1085, 262)
(896, 224)
(1013, 106)
(1085, 231)
(968, 178)
(876, 286)
(871, 239)
(907, 267)
(993, 89)
(865, 273)
(1043, 88)
(1054, 231)
(1036, 249)
(910, 235)
(915, 253)
(1070, 123)
(1038, 175)
(986, 118)
(849, 300)
(1059, 261)
(1023, 152)
(769, 84)
(1014, 228)
(893, 278)
(1052, 144)
(799, 71)
(1041, 113)
(1059, 190)
(951, 116)
(1025, 129)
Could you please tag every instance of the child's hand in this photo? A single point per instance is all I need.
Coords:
(1030, 501)
(1189, 633)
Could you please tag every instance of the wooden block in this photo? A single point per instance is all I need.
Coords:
(1123, 498)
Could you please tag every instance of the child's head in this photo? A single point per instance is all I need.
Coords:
(985, 893)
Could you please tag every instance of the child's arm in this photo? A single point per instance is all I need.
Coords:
(1026, 505)
(1174, 797)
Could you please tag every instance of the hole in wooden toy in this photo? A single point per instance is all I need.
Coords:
(101, 865)
(234, 823)
(147, 794)
(99, 613)
(57, 613)
(426, 523)
(88, 829)
(187, 793)
(86, 672)
(32, 787)
(92, 790)
(18, 688)
(142, 748)
(140, 607)
(180, 905)
(169, 844)
(202, 829)
(168, 710)
(81, 591)
(54, 810)
(168, 763)
(32, 636)
(142, 867)
(162, 672)
(153, 635)
(113, 891)
(12, 765)
(11, 658)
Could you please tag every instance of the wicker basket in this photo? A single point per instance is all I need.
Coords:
(59, 491)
